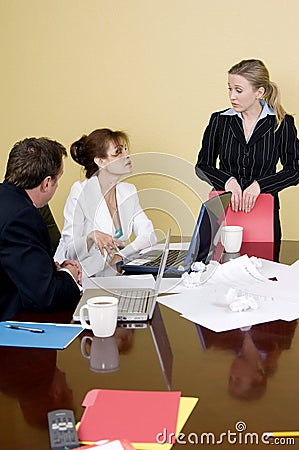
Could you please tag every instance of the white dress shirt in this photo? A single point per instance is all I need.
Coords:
(86, 210)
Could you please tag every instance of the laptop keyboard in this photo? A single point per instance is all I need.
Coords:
(134, 301)
(174, 257)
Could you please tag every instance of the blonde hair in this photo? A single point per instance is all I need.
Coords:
(257, 74)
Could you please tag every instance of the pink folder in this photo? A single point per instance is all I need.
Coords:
(138, 416)
(258, 224)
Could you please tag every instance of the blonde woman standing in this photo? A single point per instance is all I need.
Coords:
(250, 139)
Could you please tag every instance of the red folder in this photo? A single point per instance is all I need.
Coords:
(258, 224)
(138, 416)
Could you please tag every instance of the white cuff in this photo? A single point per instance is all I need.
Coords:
(231, 178)
(68, 271)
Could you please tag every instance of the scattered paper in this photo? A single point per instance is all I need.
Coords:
(258, 299)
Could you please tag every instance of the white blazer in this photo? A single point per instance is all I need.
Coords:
(86, 210)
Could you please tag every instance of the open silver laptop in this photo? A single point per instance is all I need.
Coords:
(136, 304)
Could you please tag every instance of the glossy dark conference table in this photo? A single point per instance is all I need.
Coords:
(242, 379)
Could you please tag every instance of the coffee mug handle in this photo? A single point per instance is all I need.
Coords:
(83, 346)
(82, 319)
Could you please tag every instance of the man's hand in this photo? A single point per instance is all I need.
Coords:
(74, 267)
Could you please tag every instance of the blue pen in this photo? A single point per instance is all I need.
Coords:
(19, 327)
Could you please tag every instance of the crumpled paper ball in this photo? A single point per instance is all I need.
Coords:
(257, 262)
(198, 266)
(192, 280)
(243, 304)
(240, 301)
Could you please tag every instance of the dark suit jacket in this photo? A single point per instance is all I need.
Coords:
(29, 279)
(252, 160)
(53, 229)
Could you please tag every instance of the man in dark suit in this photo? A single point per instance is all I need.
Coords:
(30, 280)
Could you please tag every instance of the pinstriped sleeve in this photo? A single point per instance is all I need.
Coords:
(205, 167)
(288, 149)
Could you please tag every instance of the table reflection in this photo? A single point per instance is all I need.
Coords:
(32, 377)
(256, 354)
(103, 353)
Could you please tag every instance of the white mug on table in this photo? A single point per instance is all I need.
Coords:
(102, 314)
(231, 238)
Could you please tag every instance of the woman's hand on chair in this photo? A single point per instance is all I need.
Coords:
(236, 200)
(250, 194)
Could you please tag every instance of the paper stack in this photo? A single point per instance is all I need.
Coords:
(141, 417)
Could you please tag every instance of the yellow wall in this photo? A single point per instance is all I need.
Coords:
(154, 68)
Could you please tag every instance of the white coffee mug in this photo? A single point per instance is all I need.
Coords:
(231, 238)
(102, 314)
(102, 353)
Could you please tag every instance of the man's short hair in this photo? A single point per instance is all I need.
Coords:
(32, 160)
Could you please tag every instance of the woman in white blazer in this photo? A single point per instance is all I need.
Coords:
(101, 213)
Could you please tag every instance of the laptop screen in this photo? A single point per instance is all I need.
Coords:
(163, 262)
(207, 229)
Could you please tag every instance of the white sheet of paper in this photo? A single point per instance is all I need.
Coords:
(286, 286)
(295, 265)
(272, 268)
(208, 305)
(172, 285)
(112, 445)
(209, 308)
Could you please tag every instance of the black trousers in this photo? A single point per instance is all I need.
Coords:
(277, 235)
(277, 227)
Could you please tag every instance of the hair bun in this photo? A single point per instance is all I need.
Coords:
(78, 151)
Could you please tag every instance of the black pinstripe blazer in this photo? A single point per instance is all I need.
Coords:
(253, 160)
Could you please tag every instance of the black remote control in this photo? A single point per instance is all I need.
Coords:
(62, 429)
